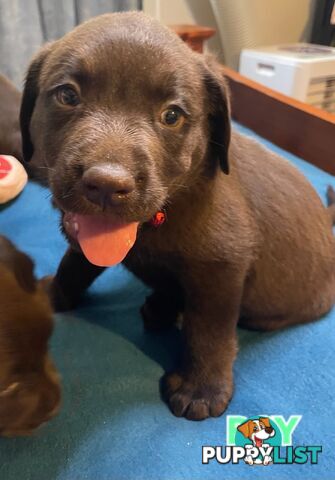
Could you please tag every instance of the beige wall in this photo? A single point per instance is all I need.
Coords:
(172, 12)
(169, 11)
(243, 23)
(255, 23)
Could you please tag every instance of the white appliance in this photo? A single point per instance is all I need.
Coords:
(301, 70)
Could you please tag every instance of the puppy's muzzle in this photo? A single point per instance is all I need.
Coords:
(107, 185)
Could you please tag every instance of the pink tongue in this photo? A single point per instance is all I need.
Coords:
(259, 442)
(104, 241)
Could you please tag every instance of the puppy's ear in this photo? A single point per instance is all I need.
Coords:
(29, 97)
(19, 263)
(244, 428)
(24, 272)
(265, 420)
(219, 108)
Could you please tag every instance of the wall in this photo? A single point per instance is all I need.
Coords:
(242, 23)
(172, 12)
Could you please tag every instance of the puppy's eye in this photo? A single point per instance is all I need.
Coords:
(67, 95)
(255, 429)
(172, 117)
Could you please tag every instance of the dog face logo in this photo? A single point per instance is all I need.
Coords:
(260, 440)
(257, 431)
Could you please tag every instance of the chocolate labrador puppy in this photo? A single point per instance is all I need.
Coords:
(132, 127)
(10, 135)
(29, 383)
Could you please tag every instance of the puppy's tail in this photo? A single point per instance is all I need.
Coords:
(331, 203)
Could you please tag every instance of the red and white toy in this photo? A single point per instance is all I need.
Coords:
(13, 178)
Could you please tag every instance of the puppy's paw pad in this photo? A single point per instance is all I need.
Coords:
(187, 399)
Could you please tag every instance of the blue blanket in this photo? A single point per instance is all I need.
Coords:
(113, 424)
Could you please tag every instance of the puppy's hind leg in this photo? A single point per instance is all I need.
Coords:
(276, 322)
(331, 203)
(266, 324)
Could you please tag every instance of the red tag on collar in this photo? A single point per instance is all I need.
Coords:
(5, 167)
(158, 219)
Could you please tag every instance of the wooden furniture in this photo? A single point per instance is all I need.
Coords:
(301, 129)
(194, 35)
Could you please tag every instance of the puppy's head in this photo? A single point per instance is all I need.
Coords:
(121, 115)
(29, 383)
(257, 430)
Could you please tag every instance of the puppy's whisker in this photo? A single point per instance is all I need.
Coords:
(49, 169)
(217, 143)
(46, 167)
(68, 193)
(179, 185)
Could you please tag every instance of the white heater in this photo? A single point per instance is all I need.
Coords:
(301, 70)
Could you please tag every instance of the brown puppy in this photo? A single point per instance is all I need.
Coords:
(10, 136)
(128, 120)
(29, 384)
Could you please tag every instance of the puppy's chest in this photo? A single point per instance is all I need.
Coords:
(156, 247)
(174, 245)
(170, 250)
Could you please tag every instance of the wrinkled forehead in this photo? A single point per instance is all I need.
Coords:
(125, 66)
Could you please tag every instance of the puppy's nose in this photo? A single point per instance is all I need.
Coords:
(107, 184)
(268, 429)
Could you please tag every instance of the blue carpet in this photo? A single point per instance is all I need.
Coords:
(113, 424)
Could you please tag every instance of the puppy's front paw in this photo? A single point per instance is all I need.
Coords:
(59, 301)
(186, 398)
(267, 460)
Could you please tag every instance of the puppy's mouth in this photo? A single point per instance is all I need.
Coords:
(258, 441)
(104, 239)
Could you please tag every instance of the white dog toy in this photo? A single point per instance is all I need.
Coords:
(13, 178)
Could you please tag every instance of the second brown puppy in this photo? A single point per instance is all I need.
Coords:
(126, 120)
(10, 136)
(29, 383)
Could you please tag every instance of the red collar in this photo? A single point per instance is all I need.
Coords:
(158, 219)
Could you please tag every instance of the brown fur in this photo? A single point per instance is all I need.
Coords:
(331, 203)
(246, 235)
(29, 384)
(10, 136)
